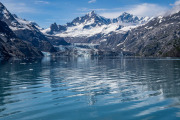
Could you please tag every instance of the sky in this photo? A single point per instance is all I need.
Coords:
(46, 12)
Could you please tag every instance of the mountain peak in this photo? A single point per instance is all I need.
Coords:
(125, 13)
(6, 16)
(128, 18)
(54, 27)
(54, 24)
(14, 15)
(2, 8)
(92, 13)
(1, 5)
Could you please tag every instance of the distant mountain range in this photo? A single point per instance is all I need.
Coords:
(128, 34)
(140, 36)
(92, 24)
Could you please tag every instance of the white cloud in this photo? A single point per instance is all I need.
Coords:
(22, 7)
(92, 1)
(175, 9)
(148, 10)
(41, 2)
(88, 10)
(177, 3)
(144, 9)
(111, 14)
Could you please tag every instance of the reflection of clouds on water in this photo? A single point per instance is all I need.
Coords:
(125, 79)
(140, 82)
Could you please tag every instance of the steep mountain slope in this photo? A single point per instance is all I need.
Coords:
(159, 37)
(11, 46)
(56, 41)
(25, 30)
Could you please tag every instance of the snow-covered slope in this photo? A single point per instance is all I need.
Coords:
(23, 24)
(13, 21)
(92, 24)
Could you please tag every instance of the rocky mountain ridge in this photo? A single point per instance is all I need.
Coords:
(93, 24)
(159, 37)
(25, 30)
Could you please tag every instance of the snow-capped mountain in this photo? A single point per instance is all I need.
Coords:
(133, 35)
(92, 24)
(91, 19)
(13, 21)
(25, 30)
(126, 18)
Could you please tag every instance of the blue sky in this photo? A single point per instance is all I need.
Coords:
(45, 12)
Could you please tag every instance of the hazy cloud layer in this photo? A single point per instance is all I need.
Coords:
(92, 1)
(177, 3)
(139, 10)
(23, 7)
(41, 2)
(176, 8)
(19, 7)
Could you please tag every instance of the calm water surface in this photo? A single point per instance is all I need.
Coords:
(90, 89)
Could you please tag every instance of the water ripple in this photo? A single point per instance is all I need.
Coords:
(97, 88)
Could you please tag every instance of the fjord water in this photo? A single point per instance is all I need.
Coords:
(90, 89)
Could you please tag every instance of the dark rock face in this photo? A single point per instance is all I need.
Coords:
(56, 28)
(159, 37)
(57, 41)
(113, 40)
(26, 31)
(105, 42)
(36, 38)
(11, 46)
(93, 39)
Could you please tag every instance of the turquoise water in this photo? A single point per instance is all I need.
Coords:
(90, 89)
